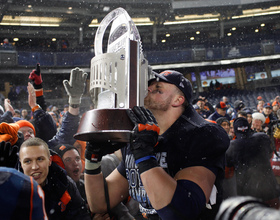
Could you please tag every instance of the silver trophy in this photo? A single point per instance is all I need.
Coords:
(118, 80)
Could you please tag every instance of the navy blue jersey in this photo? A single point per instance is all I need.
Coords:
(21, 197)
(190, 141)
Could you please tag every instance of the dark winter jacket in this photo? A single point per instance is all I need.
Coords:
(250, 156)
(214, 116)
(69, 127)
(62, 198)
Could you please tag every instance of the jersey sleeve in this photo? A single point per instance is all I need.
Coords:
(201, 146)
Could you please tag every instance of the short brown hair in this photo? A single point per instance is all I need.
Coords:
(36, 142)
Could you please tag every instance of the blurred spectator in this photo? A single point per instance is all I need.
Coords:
(209, 105)
(49, 108)
(276, 101)
(249, 113)
(27, 129)
(72, 161)
(242, 114)
(275, 107)
(224, 122)
(260, 105)
(225, 100)
(25, 115)
(258, 120)
(221, 109)
(6, 45)
(238, 106)
(17, 113)
(259, 98)
(250, 155)
(269, 117)
(65, 109)
(203, 109)
(64, 45)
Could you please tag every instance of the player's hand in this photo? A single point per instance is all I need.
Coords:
(75, 87)
(144, 136)
(8, 154)
(36, 76)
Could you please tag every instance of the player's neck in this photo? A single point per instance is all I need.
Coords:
(166, 118)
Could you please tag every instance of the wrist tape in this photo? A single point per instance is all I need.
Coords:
(146, 163)
(92, 167)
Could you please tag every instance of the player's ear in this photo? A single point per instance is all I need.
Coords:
(50, 160)
(178, 100)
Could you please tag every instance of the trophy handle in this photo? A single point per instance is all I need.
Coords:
(122, 28)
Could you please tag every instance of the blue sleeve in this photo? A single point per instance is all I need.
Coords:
(7, 117)
(69, 127)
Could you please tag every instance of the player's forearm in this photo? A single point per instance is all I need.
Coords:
(159, 186)
(94, 186)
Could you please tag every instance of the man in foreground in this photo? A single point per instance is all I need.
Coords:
(62, 198)
(173, 176)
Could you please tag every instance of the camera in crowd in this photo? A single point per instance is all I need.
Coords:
(246, 208)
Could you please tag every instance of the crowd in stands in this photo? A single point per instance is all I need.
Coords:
(43, 140)
(254, 148)
(265, 112)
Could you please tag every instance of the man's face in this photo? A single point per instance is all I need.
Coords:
(17, 115)
(35, 162)
(24, 112)
(275, 108)
(249, 118)
(225, 125)
(261, 102)
(27, 132)
(159, 96)
(267, 111)
(201, 104)
(73, 164)
(257, 124)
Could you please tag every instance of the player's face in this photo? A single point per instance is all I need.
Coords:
(159, 96)
(73, 164)
(35, 162)
(27, 132)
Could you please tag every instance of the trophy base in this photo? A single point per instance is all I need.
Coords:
(105, 125)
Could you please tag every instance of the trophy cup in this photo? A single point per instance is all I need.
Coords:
(118, 80)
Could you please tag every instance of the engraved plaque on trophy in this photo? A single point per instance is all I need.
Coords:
(118, 80)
